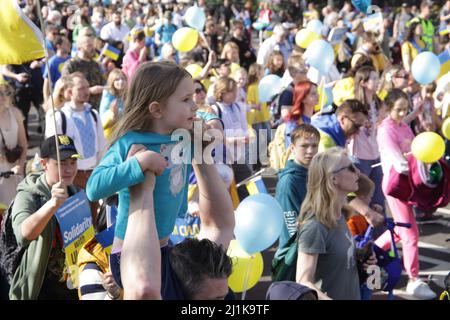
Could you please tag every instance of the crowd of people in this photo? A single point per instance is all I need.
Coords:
(113, 90)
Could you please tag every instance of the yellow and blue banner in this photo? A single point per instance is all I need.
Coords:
(75, 222)
(111, 52)
(444, 59)
(256, 185)
(20, 39)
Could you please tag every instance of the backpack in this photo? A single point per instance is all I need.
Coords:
(10, 251)
(279, 151)
(275, 109)
(64, 120)
(284, 263)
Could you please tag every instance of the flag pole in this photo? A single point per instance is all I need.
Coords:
(41, 21)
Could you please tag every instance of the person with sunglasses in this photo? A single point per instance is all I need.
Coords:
(326, 259)
(335, 130)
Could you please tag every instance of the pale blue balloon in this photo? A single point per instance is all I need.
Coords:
(320, 55)
(268, 87)
(426, 67)
(259, 219)
(315, 26)
(195, 18)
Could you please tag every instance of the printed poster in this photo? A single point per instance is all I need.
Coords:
(75, 222)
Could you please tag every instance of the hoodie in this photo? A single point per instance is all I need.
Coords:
(29, 276)
(290, 193)
(331, 133)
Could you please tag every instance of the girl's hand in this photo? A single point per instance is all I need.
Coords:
(114, 108)
(152, 161)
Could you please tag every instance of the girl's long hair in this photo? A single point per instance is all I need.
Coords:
(321, 197)
(301, 90)
(363, 75)
(271, 66)
(153, 81)
(113, 75)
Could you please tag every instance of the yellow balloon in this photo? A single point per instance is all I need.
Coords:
(194, 69)
(428, 147)
(446, 128)
(304, 38)
(185, 39)
(244, 266)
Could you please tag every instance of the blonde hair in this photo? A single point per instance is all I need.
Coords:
(321, 197)
(255, 73)
(113, 75)
(222, 86)
(153, 81)
(228, 47)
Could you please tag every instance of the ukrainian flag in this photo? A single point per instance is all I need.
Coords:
(111, 52)
(444, 58)
(256, 185)
(20, 39)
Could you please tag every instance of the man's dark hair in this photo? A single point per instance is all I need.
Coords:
(59, 40)
(351, 106)
(195, 260)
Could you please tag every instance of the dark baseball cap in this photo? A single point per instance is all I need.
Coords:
(288, 290)
(66, 148)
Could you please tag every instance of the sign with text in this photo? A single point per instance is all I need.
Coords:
(75, 223)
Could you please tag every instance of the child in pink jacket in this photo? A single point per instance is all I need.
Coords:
(394, 140)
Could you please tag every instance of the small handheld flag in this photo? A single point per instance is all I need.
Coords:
(256, 185)
(111, 52)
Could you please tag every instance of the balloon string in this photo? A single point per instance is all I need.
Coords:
(246, 276)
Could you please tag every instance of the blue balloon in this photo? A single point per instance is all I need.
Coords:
(320, 55)
(315, 26)
(195, 18)
(362, 5)
(426, 67)
(259, 219)
(268, 87)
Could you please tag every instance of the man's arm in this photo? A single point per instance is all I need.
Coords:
(216, 207)
(140, 265)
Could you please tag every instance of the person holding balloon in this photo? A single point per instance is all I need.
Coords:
(412, 45)
(326, 259)
(394, 140)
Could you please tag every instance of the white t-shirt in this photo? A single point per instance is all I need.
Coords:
(72, 131)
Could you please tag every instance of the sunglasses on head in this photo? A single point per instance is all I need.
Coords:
(351, 167)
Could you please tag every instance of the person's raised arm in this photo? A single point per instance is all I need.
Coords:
(216, 207)
(140, 265)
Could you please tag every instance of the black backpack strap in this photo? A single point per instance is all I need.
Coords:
(63, 123)
(94, 115)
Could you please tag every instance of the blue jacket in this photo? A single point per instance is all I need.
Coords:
(329, 125)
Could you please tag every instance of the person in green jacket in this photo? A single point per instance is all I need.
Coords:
(291, 186)
(41, 272)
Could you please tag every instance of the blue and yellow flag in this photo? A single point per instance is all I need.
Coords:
(20, 39)
(111, 52)
(444, 59)
(256, 185)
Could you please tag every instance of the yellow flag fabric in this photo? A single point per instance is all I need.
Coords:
(20, 39)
